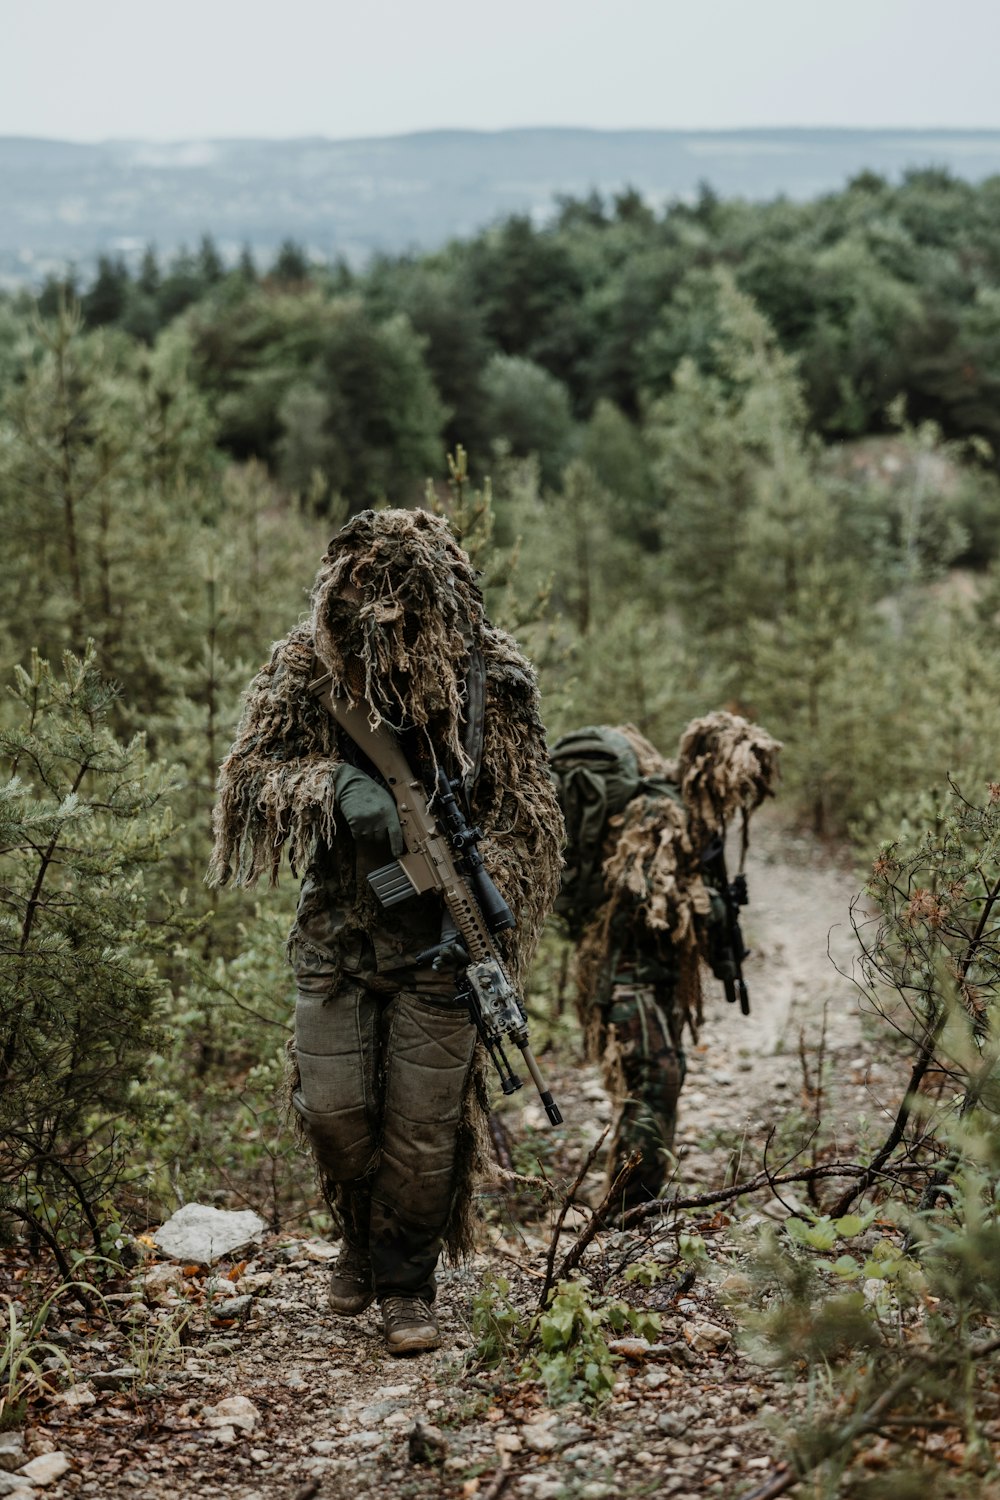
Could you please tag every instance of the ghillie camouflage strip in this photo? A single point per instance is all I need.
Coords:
(394, 608)
(395, 612)
(652, 879)
(275, 791)
(724, 765)
(652, 884)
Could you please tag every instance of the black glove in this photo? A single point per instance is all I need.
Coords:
(368, 808)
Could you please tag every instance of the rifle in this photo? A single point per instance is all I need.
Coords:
(446, 859)
(733, 950)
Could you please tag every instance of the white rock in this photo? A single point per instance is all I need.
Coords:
(16, 1487)
(232, 1411)
(160, 1281)
(508, 1442)
(318, 1250)
(220, 1287)
(224, 1434)
(539, 1436)
(114, 1380)
(254, 1281)
(78, 1395)
(226, 1310)
(549, 1489)
(45, 1469)
(198, 1234)
(706, 1338)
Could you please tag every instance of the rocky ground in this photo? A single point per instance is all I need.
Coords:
(239, 1382)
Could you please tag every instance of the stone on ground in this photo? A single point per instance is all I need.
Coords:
(199, 1235)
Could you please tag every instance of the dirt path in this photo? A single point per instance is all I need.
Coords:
(747, 1072)
(323, 1411)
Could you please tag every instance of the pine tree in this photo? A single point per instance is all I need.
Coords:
(82, 818)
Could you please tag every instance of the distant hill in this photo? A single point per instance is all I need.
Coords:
(62, 202)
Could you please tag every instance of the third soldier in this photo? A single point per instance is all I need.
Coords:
(647, 899)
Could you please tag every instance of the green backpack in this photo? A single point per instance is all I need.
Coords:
(596, 775)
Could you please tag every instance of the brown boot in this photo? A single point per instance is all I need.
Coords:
(351, 1289)
(410, 1325)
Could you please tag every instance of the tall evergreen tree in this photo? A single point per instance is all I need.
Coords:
(82, 818)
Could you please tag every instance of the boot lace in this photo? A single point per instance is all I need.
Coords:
(400, 1309)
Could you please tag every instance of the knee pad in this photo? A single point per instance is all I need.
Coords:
(336, 1040)
(428, 1054)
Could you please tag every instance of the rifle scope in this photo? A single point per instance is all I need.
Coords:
(464, 840)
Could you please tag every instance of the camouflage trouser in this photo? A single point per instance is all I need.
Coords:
(383, 1060)
(649, 1064)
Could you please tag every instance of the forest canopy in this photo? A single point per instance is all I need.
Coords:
(880, 291)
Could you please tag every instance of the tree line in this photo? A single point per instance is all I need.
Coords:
(517, 335)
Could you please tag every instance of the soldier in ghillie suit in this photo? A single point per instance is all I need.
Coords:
(388, 1083)
(643, 897)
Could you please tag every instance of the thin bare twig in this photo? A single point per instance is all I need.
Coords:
(496, 1487)
(660, 1206)
(568, 1201)
(598, 1218)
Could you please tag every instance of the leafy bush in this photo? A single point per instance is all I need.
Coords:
(898, 1331)
(565, 1344)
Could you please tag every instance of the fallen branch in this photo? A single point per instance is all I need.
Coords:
(496, 1487)
(924, 1059)
(598, 1218)
(568, 1201)
(658, 1207)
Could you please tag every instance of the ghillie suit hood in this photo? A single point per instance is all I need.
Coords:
(652, 878)
(397, 620)
(724, 766)
(396, 612)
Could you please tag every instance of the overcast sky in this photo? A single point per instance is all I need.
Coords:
(182, 69)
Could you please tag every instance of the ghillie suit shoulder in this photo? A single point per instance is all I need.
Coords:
(513, 800)
(275, 787)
